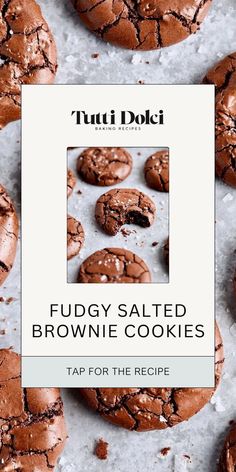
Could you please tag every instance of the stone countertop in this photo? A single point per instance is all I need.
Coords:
(201, 437)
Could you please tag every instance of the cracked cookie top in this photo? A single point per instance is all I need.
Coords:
(27, 53)
(104, 166)
(114, 265)
(32, 426)
(124, 206)
(8, 234)
(223, 75)
(228, 457)
(156, 171)
(144, 409)
(142, 24)
(75, 237)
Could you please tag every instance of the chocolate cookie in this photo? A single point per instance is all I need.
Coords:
(124, 206)
(32, 426)
(75, 237)
(114, 265)
(104, 166)
(8, 234)
(228, 456)
(27, 53)
(144, 24)
(144, 409)
(71, 181)
(223, 75)
(156, 171)
(166, 252)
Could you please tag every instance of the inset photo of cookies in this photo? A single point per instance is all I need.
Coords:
(119, 198)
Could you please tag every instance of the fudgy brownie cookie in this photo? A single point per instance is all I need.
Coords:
(32, 426)
(166, 252)
(143, 409)
(8, 234)
(114, 265)
(124, 206)
(156, 171)
(144, 24)
(75, 237)
(71, 181)
(223, 75)
(104, 166)
(27, 53)
(228, 456)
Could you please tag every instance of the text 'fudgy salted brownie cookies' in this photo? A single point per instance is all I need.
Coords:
(147, 24)
(32, 425)
(144, 409)
(27, 53)
(223, 75)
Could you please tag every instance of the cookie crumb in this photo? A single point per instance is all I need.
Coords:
(79, 192)
(165, 451)
(154, 244)
(2, 332)
(95, 55)
(10, 300)
(141, 82)
(101, 449)
(126, 232)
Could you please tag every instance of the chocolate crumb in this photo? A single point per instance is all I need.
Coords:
(101, 449)
(2, 299)
(141, 82)
(10, 300)
(154, 244)
(165, 451)
(79, 192)
(95, 55)
(126, 232)
(187, 457)
(2, 332)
